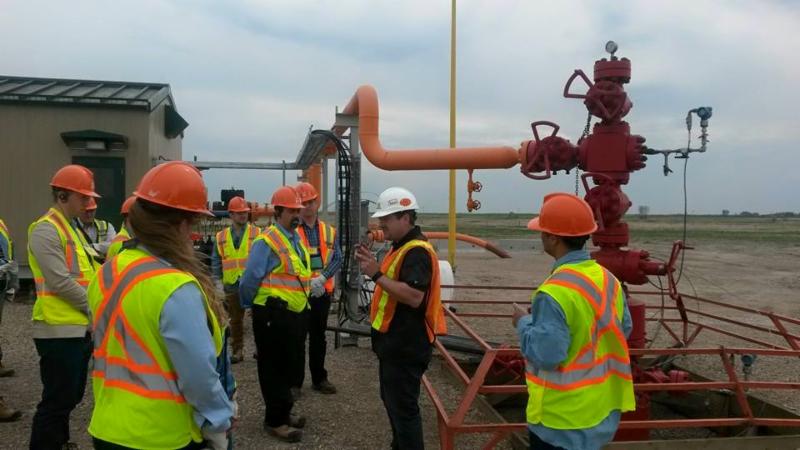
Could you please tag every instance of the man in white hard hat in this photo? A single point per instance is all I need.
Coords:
(406, 312)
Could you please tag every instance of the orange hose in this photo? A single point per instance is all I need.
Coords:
(472, 240)
(364, 103)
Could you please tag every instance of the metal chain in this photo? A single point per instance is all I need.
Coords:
(583, 136)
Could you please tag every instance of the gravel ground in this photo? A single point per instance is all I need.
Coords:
(354, 418)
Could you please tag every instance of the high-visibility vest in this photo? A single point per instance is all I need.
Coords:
(137, 398)
(102, 230)
(327, 236)
(595, 378)
(234, 259)
(4, 232)
(116, 243)
(383, 306)
(49, 307)
(290, 280)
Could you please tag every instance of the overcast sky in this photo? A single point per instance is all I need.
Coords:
(252, 76)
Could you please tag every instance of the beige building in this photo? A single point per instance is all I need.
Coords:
(119, 130)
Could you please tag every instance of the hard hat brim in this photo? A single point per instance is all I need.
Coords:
(79, 191)
(533, 225)
(384, 213)
(238, 210)
(203, 211)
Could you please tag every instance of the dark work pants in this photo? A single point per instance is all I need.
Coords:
(63, 364)
(276, 331)
(400, 384)
(103, 445)
(316, 324)
(538, 444)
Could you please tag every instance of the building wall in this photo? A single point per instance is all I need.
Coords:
(160, 145)
(31, 151)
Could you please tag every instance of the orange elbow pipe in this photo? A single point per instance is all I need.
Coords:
(377, 236)
(365, 104)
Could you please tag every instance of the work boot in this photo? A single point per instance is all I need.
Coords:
(285, 433)
(325, 387)
(237, 357)
(297, 421)
(296, 393)
(5, 371)
(8, 414)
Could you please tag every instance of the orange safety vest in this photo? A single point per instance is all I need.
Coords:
(327, 237)
(382, 308)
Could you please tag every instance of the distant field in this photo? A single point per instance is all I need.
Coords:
(666, 227)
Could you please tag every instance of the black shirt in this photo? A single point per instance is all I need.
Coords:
(407, 336)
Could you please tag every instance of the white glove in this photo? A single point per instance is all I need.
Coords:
(318, 286)
(216, 440)
(218, 285)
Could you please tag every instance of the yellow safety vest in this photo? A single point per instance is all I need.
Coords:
(324, 253)
(234, 260)
(595, 378)
(102, 230)
(137, 398)
(290, 280)
(4, 232)
(116, 243)
(383, 305)
(49, 307)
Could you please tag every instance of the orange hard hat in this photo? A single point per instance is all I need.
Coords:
(564, 214)
(126, 205)
(175, 184)
(92, 205)
(237, 204)
(307, 191)
(287, 197)
(75, 178)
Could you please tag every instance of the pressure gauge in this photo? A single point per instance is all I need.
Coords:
(611, 47)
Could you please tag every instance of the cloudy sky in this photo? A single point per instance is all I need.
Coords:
(252, 76)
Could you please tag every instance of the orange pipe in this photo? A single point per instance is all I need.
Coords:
(314, 176)
(365, 104)
(377, 236)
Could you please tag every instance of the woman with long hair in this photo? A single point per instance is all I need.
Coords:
(158, 327)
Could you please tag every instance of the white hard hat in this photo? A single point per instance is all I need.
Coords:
(395, 199)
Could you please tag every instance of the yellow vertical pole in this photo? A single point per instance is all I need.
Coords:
(451, 228)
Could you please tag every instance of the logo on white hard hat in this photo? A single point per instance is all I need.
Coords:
(405, 201)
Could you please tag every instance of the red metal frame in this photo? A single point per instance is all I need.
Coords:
(453, 424)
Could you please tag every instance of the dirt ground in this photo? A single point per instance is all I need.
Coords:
(764, 275)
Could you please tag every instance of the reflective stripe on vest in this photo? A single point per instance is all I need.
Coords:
(7, 236)
(327, 238)
(234, 260)
(49, 307)
(383, 306)
(138, 400)
(595, 378)
(290, 280)
(116, 243)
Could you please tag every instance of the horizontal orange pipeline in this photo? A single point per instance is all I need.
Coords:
(377, 235)
(365, 104)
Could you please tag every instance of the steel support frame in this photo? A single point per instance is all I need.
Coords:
(452, 424)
